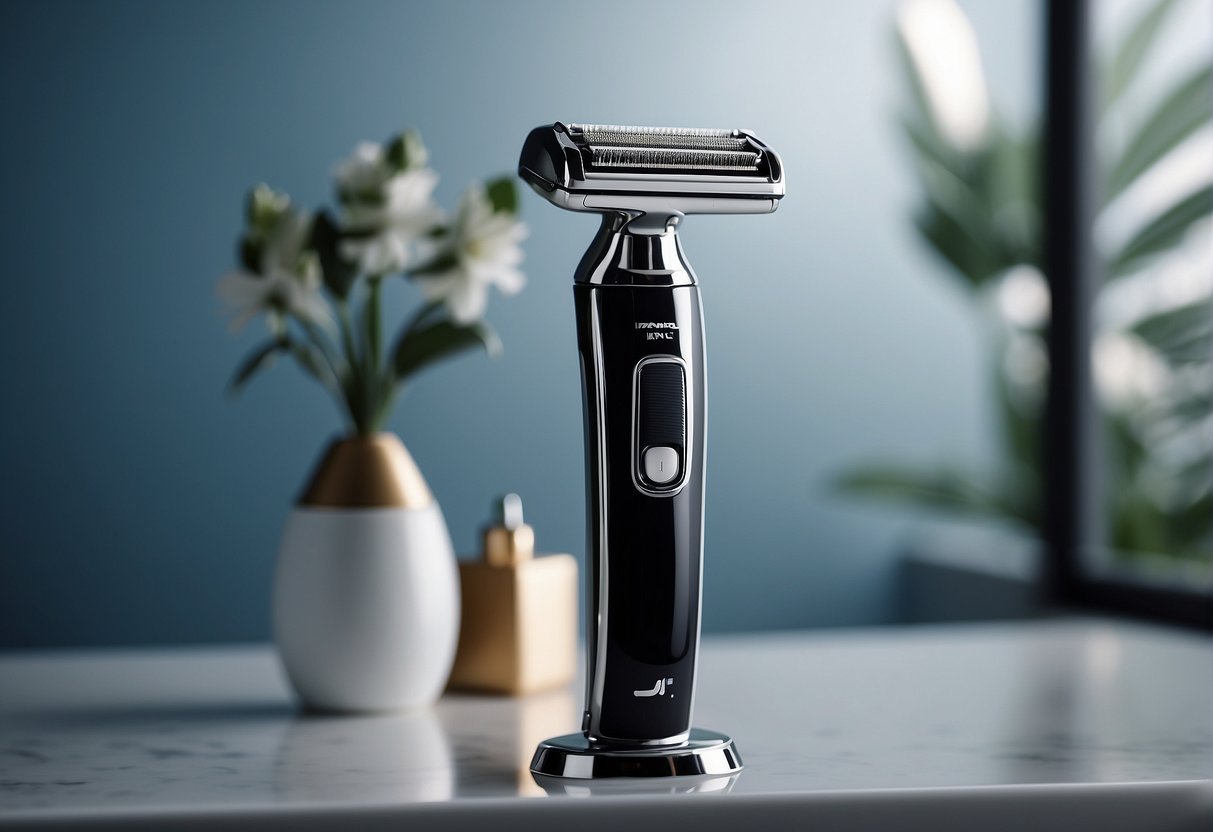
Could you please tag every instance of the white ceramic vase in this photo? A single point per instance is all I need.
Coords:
(366, 594)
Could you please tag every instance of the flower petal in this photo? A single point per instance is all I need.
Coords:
(240, 289)
(509, 281)
(468, 302)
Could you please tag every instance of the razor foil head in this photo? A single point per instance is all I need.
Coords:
(666, 171)
(670, 148)
(659, 158)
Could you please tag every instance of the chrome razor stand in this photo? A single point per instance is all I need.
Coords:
(705, 754)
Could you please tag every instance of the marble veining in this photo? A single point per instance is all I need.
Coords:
(1078, 701)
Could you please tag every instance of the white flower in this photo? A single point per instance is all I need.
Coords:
(485, 252)
(288, 281)
(389, 211)
(945, 54)
(363, 173)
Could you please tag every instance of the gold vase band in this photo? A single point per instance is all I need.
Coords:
(367, 472)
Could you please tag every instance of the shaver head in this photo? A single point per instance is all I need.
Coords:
(660, 173)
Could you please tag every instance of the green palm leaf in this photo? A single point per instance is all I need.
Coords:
(1183, 335)
(1128, 57)
(1163, 232)
(1186, 109)
(943, 488)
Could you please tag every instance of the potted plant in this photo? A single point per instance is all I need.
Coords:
(980, 211)
(366, 597)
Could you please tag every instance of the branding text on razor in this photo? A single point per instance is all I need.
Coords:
(657, 330)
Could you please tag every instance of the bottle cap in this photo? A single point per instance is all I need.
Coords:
(509, 541)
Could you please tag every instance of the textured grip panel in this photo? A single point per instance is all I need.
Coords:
(662, 409)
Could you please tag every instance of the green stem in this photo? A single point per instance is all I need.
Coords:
(337, 366)
(380, 416)
(354, 380)
(347, 333)
(374, 347)
(321, 341)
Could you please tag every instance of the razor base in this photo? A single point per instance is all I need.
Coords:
(573, 756)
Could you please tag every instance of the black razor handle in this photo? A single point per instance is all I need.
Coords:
(642, 363)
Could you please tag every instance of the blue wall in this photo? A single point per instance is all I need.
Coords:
(140, 505)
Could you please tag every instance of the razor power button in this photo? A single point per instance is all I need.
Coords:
(661, 416)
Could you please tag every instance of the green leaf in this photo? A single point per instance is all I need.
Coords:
(312, 364)
(430, 312)
(442, 262)
(958, 243)
(406, 150)
(1132, 50)
(1192, 530)
(503, 194)
(1193, 405)
(979, 213)
(1019, 479)
(1137, 525)
(1013, 190)
(1194, 481)
(1186, 109)
(1139, 520)
(1164, 232)
(944, 489)
(250, 254)
(261, 357)
(339, 273)
(421, 347)
(1182, 335)
(1020, 424)
(920, 108)
(928, 146)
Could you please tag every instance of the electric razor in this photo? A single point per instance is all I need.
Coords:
(641, 342)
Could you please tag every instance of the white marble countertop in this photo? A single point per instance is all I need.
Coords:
(836, 718)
